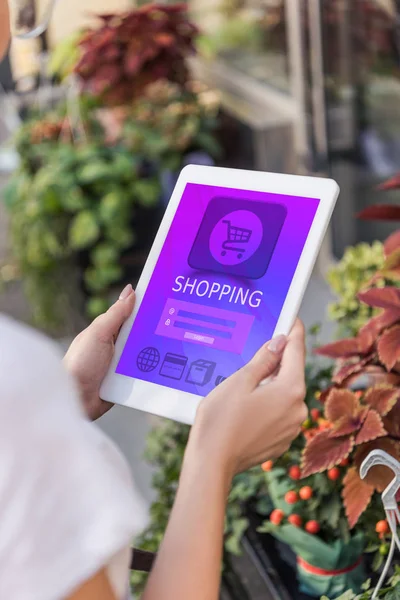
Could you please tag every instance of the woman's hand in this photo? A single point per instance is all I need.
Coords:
(237, 426)
(242, 423)
(90, 354)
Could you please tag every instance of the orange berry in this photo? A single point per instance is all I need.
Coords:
(382, 527)
(291, 497)
(310, 434)
(334, 474)
(276, 516)
(267, 466)
(312, 527)
(295, 520)
(315, 414)
(295, 473)
(306, 492)
(344, 462)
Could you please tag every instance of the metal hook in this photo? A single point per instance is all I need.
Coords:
(382, 458)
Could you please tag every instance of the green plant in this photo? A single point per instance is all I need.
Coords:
(72, 206)
(240, 32)
(169, 121)
(358, 265)
(131, 50)
(65, 56)
(73, 203)
(390, 592)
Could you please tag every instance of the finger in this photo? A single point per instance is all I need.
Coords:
(107, 326)
(265, 361)
(294, 357)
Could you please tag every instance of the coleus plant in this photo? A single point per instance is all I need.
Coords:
(132, 50)
(362, 406)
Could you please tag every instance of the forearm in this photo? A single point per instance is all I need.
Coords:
(189, 561)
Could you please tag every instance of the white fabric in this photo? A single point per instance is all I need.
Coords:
(68, 507)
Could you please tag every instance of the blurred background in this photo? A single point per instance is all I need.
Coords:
(98, 116)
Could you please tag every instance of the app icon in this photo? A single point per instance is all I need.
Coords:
(201, 372)
(237, 237)
(220, 379)
(173, 366)
(231, 244)
(148, 359)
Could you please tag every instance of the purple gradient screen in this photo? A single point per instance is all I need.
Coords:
(218, 287)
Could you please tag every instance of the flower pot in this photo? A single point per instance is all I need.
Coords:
(306, 566)
(318, 574)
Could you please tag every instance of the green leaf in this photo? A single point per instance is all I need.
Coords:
(122, 237)
(96, 171)
(11, 192)
(52, 244)
(84, 230)
(330, 511)
(267, 527)
(349, 595)
(394, 594)
(112, 207)
(372, 547)
(50, 201)
(366, 586)
(147, 192)
(105, 254)
(73, 200)
(97, 306)
(232, 543)
(264, 506)
(208, 143)
(100, 278)
(377, 562)
(321, 484)
(124, 166)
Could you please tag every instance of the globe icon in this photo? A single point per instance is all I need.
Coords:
(148, 359)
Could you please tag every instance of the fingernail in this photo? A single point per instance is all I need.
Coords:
(277, 345)
(127, 291)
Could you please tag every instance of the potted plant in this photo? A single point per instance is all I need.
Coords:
(89, 194)
(130, 50)
(72, 215)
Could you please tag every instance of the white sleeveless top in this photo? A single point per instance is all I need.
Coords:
(68, 507)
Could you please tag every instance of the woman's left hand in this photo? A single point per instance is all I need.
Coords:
(90, 354)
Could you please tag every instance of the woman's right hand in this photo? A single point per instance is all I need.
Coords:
(242, 423)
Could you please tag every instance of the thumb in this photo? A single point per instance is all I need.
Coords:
(265, 361)
(107, 325)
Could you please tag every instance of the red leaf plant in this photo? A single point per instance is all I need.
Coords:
(359, 422)
(134, 49)
(362, 406)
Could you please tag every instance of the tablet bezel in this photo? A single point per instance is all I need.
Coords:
(178, 405)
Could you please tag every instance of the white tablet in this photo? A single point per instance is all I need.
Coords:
(227, 272)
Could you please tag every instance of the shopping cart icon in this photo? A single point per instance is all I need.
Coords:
(237, 236)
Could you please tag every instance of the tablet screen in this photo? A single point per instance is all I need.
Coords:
(218, 287)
